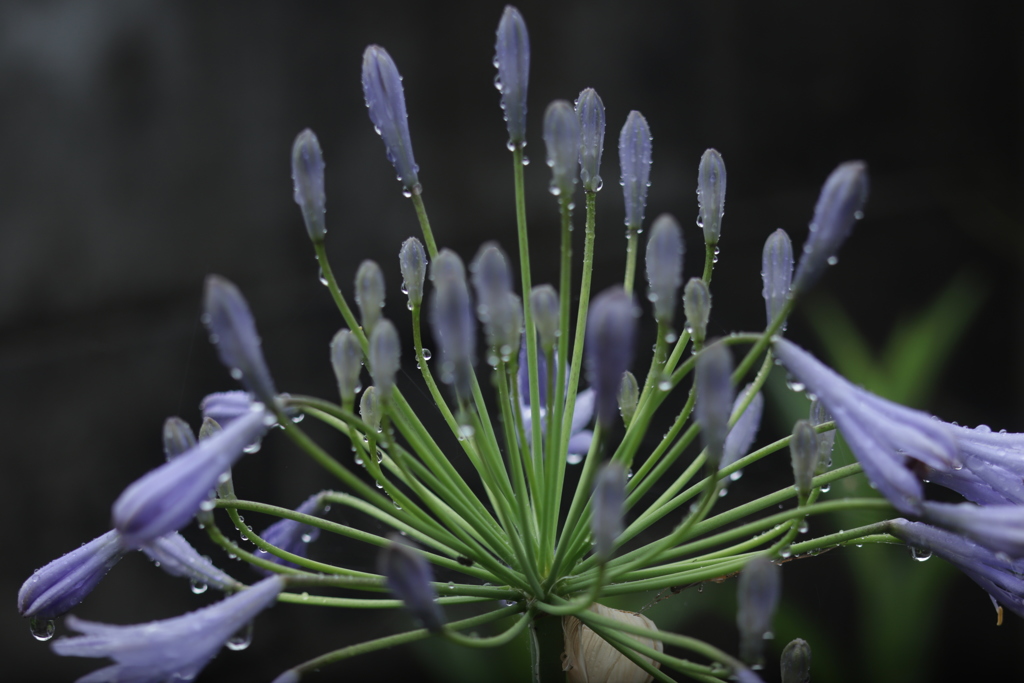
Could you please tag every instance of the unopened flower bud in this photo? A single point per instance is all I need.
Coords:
(370, 409)
(546, 316)
(839, 206)
(347, 361)
(796, 662)
(589, 658)
(744, 431)
(178, 437)
(504, 326)
(713, 381)
(385, 99)
(369, 294)
(635, 160)
(590, 111)
(608, 507)
(757, 596)
(512, 58)
(385, 351)
(291, 536)
(492, 278)
(409, 577)
(711, 195)
(697, 307)
(610, 342)
(664, 267)
(209, 427)
(562, 139)
(629, 397)
(308, 176)
(412, 259)
(803, 451)
(826, 440)
(776, 273)
(451, 318)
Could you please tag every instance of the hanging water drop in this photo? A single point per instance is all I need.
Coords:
(198, 587)
(919, 554)
(427, 355)
(574, 458)
(242, 639)
(323, 279)
(803, 527)
(736, 476)
(41, 629)
(825, 488)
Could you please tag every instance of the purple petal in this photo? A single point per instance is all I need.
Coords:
(177, 557)
(226, 406)
(385, 99)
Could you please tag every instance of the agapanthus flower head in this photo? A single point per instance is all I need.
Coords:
(451, 318)
(839, 206)
(713, 384)
(178, 437)
(776, 273)
(590, 112)
(176, 556)
(412, 259)
(635, 161)
(512, 59)
(409, 577)
(795, 663)
(803, 453)
(697, 307)
(546, 317)
(629, 397)
(170, 649)
(757, 597)
(308, 176)
(993, 466)
(711, 195)
(562, 139)
(166, 499)
(369, 294)
(233, 331)
(742, 434)
(607, 509)
(385, 351)
(224, 407)
(385, 99)
(291, 536)
(347, 362)
(664, 267)
(609, 347)
(882, 435)
(63, 583)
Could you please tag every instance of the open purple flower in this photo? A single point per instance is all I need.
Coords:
(177, 557)
(993, 466)
(409, 577)
(999, 528)
(170, 649)
(583, 412)
(292, 536)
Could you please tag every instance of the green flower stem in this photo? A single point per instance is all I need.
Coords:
(400, 639)
(710, 255)
(580, 603)
(576, 507)
(526, 507)
(339, 298)
(366, 603)
(533, 469)
(232, 548)
(641, 474)
(421, 214)
(632, 243)
(556, 389)
(493, 641)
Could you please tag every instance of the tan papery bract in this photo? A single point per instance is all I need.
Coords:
(588, 658)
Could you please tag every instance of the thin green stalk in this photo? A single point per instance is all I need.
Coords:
(421, 214)
(632, 244)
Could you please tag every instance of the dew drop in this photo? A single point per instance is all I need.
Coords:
(920, 555)
(307, 537)
(466, 432)
(665, 384)
(574, 458)
(723, 492)
(323, 279)
(700, 587)
(41, 629)
(803, 527)
(236, 374)
(242, 639)
(825, 488)
(198, 587)
(735, 476)
(795, 385)
(427, 355)
(832, 260)
(785, 552)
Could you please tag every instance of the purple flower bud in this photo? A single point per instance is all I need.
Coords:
(225, 406)
(166, 499)
(66, 581)
(412, 259)
(233, 332)
(741, 437)
(409, 577)
(609, 347)
(697, 308)
(562, 138)
(382, 88)
(711, 195)
(590, 111)
(608, 507)
(178, 437)
(347, 361)
(369, 294)
(451, 317)
(664, 267)
(308, 176)
(839, 207)
(629, 397)
(504, 327)
(370, 410)
(1000, 528)
(176, 556)
(796, 662)
(291, 536)
(713, 382)
(385, 356)
(492, 278)
(803, 453)
(512, 59)
(757, 596)
(635, 160)
(546, 316)
(776, 273)
(170, 649)
(819, 415)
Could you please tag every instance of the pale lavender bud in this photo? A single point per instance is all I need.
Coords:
(382, 88)
(492, 278)
(233, 331)
(796, 662)
(178, 437)
(608, 507)
(711, 195)
(562, 138)
(628, 397)
(308, 176)
(713, 382)
(409, 577)
(609, 347)
(66, 581)
(819, 415)
(757, 596)
(385, 352)
(635, 161)
(347, 361)
(370, 409)
(590, 111)
(451, 318)
(504, 327)
(664, 267)
(225, 406)
(412, 260)
(697, 307)
(369, 294)
(512, 59)
(776, 273)
(176, 556)
(546, 316)
(803, 453)
(744, 431)
(291, 536)
(839, 206)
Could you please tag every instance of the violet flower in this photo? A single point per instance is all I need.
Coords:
(635, 161)
(590, 110)
(291, 536)
(993, 466)
(177, 557)
(562, 139)
(385, 100)
(385, 352)
(609, 347)
(409, 577)
(224, 407)
(743, 432)
(608, 508)
(664, 267)
(512, 59)
(757, 597)
(713, 383)
(999, 528)
(169, 649)
(308, 176)
(412, 261)
(776, 273)
(711, 195)
(451, 318)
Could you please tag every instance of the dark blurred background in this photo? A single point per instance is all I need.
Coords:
(146, 144)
